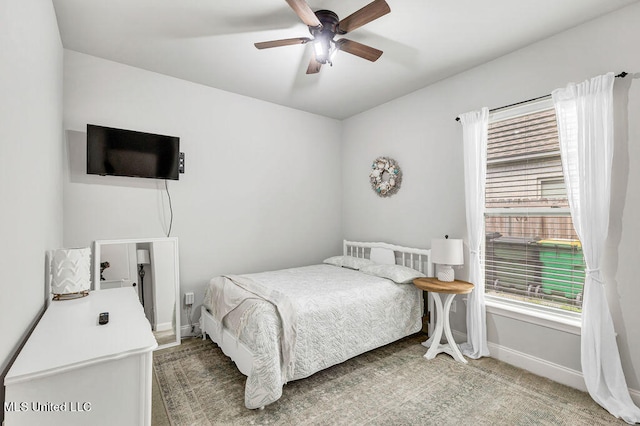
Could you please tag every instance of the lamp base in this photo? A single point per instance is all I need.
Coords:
(71, 296)
(446, 273)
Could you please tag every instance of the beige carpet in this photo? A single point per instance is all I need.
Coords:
(392, 385)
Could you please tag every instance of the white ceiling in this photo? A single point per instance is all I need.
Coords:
(211, 42)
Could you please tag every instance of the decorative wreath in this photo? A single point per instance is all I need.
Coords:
(385, 176)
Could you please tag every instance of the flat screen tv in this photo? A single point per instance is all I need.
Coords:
(120, 152)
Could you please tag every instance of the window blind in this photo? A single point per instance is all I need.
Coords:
(531, 250)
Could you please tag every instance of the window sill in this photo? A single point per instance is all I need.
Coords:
(569, 322)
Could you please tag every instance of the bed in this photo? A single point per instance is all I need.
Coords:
(285, 325)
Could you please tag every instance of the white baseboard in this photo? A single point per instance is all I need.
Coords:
(635, 396)
(165, 326)
(185, 330)
(541, 367)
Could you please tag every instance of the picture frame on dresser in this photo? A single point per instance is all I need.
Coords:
(151, 267)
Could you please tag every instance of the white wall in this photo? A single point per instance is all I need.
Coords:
(419, 131)
(262, 188)
(30, 163)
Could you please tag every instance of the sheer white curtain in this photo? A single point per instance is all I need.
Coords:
(585, 125)
(474, 134)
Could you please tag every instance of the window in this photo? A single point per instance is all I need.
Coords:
(552, 188)
(532, 252)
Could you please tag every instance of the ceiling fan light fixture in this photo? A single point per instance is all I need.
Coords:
(320, 50)
(324, 49)
(334, 50)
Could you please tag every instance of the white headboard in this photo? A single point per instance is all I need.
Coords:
(415, 258)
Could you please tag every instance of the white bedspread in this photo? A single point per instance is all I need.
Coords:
(340, 313)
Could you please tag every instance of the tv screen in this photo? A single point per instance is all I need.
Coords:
(120, 152)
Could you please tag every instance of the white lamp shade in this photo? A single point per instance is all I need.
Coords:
(444, 253)
(447, 252)
(70, 271)
(143, 257)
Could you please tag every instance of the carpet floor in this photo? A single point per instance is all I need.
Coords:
(392, 385)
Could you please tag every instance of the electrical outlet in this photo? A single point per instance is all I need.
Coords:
(188, 299)
(453, 305)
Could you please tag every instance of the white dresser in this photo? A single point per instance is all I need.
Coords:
(73, 371)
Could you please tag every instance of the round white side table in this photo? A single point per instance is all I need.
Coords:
(450, 289)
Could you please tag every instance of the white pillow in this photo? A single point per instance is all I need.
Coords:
(348, 262)
(396, 273)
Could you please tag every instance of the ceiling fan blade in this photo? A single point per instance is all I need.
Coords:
(314, 66)
(370, 12)
(362, 50)
(304, 12)
(283, 42)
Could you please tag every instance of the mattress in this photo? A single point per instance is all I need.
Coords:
(339, 312)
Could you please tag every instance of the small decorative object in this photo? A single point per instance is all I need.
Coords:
(446, 253)
(103, 266)
(385, 176)
(70, 273)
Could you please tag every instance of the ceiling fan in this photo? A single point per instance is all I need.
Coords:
(324, 25)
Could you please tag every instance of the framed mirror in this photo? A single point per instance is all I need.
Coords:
(150, 267)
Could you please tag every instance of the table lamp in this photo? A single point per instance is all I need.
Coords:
(70, 273)
(446, 253)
